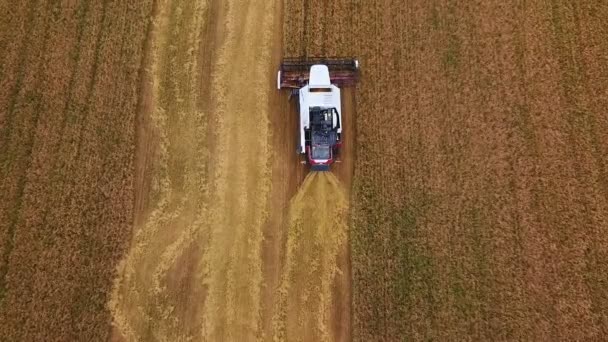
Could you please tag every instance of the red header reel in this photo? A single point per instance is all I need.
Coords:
(294, 72)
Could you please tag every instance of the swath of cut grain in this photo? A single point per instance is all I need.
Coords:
(194, 268)
(317, 231)
(144, 302)
(241, 174)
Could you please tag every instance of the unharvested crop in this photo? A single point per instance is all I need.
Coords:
(69, 79)
(480, 204)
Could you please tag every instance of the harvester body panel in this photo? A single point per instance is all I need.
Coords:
(317, 82)
(320, 118)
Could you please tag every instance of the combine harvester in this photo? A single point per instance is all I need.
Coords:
(316, 82)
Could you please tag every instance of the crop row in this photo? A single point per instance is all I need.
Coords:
(67, 144)
(480, 198)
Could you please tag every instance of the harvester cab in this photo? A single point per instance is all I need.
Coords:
(317, 82)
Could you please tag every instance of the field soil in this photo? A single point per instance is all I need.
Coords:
(218, 240)
(480, 202)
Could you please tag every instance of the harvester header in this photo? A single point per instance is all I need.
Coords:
(295, 72)
(316, 83)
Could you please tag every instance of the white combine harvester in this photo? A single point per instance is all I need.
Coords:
(316, 82)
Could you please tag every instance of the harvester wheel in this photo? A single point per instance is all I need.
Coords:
(292, 93)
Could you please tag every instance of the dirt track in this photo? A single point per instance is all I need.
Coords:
(218, 170)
